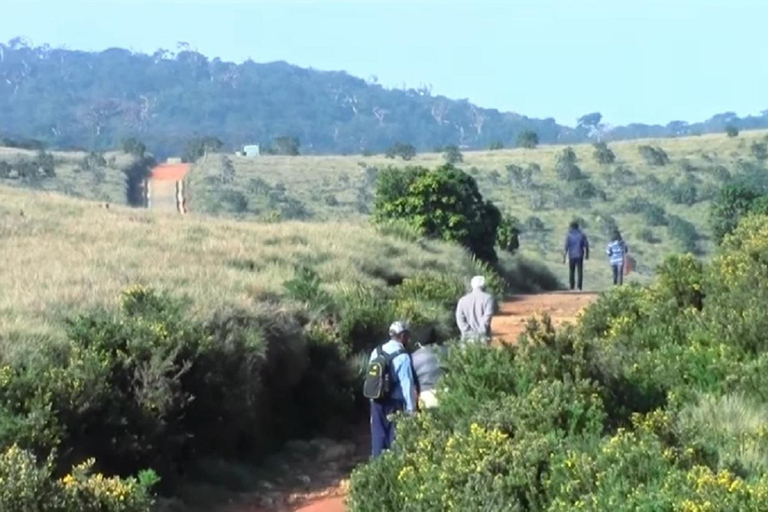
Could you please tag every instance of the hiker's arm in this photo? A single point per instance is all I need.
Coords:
(407, 385)
(586, 247)
(461, 320)
(488, 309)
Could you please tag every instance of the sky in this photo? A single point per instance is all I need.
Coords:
(649, 61)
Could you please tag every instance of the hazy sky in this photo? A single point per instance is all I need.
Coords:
(633, 60)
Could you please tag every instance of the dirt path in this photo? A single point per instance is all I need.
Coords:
(165, 188)
(562, 307)
(324, 486)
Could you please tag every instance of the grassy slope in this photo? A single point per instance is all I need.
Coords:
(313, 180)
(105, 184)
(61, 255)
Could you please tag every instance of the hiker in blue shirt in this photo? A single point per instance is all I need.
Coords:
(576, 250)
(616, 252)
(402, 396)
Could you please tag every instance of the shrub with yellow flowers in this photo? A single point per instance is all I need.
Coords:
(26, 485)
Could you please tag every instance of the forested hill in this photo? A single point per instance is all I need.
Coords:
(93, 100)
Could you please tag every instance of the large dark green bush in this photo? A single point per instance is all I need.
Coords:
(585, 189)
(521, 177)
(684, 232)
(508, 234)
(603, 154)
(729, 206)
(684, 192)
(759, 150)
(527, 139)
(655, 215)
(404, 151)
(452, 155)
(200, 146)
(635, 204)
(150, 386)
(443, 202)
(654, 156)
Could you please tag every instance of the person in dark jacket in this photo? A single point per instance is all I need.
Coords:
(576, 250)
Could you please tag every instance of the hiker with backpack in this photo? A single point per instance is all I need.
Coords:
(617, 251)
(389, 385)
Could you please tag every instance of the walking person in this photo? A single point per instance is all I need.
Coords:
(474, 313)
(428, 370)
(576, 250)
(389, 384)
(617, 251)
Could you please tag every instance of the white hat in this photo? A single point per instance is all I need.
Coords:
(477, 282)
(398, 328)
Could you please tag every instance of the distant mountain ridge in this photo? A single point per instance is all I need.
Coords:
(93, 100)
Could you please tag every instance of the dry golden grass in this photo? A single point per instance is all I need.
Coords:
(107, 184)
(61, 255)
(314, 179)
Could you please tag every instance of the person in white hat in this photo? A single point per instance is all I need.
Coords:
(402, 394)
(474, 312)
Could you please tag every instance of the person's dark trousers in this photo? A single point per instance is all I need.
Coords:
(382, 429)
(618, 274)
(576, 270)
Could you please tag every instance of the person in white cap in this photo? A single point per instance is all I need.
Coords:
(474, 312)
(401, 393)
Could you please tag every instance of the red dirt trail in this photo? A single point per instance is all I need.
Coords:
(562, 307)
(170, 172)
(508, 325)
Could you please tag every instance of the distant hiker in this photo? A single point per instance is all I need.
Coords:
(389, 384)
(617, 251)
(474, 312)
(428, 370)
(576, 250)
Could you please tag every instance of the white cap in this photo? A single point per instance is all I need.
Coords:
(398, 328)
(477, 282)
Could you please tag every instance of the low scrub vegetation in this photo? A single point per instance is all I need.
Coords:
(653, 401)
(193, 340)
(521, 182)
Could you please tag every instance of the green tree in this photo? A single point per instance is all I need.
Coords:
(521, 178)
(528, 139)
(654, 156)
(444, 203)
(452, 155)
(684, 232)
(133, 146)
(590, 121)
(733, 202)
(759, 150)
(201, 146)
(603, 154)
(135, 175)
(508, 234)
(46, 164)
(496, 146)
(286, 146)
(404, 151)
(567, 156)
(566, 166)
(731, 131)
